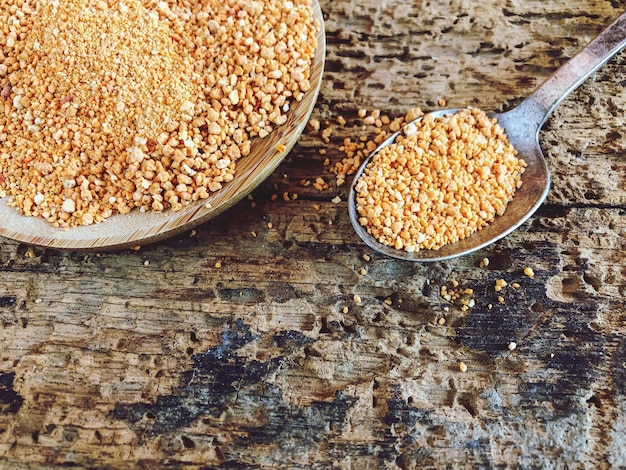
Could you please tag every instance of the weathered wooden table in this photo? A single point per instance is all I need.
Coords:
(273, 337)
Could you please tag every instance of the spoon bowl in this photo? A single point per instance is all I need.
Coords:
(527, 199)
(522, 125)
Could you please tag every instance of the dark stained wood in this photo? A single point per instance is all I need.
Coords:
(241, 344)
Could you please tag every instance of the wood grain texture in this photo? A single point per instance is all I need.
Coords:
(241, 344)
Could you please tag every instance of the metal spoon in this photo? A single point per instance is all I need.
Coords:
(522, 125)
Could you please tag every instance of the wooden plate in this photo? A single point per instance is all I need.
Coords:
(137, 228)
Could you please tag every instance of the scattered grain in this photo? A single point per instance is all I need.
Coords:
(369, 120)
(458, 296)
(462, 367)
(500, 284)
(355, 151)
(413, 114)
(512, 345)
(327, 134)
(320, 184)
(314, 124)
(529, 272)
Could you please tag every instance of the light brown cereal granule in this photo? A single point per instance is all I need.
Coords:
(500, 284)
(314, 124)
(320, 184)
(413, 113)
(369, 120)
(442, 180)
(111, 106)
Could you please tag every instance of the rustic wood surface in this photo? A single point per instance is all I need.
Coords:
(241, 344)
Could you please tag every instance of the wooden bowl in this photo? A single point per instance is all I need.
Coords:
(141, 228)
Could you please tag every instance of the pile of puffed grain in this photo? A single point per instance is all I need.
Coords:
(443, 179)
(109, 105)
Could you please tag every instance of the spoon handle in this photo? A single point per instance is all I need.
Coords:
(537, 107)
